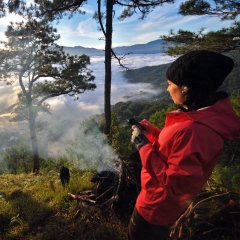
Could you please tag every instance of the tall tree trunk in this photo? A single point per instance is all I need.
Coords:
(108, 67)
(32, 118)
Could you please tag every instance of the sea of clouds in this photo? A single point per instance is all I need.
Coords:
(91, 102)
(67, 114)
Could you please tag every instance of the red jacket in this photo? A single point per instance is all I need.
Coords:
(181, 160)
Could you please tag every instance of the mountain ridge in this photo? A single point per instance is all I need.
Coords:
(151, 47)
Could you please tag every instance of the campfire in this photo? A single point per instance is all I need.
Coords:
(114, 184)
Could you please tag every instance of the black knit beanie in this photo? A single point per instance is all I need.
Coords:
(200, 70)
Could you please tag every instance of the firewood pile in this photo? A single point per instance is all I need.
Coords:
(118, 180)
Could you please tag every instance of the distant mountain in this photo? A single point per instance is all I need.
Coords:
(148, 48)
(78, 50)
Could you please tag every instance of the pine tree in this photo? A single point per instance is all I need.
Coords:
(223, 40)
(43, 70)
(11, 6)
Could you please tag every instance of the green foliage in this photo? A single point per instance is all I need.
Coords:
(120, 137)
(57, 9)
(235, 100)
(227, 9)
(193, 7)
(138, 110)
(226, 174)
(226, 178)
(18, 158)
(158, 118)
(49, 164)
(182, 41)
(224, 40)
(144, 6)
(13, 6)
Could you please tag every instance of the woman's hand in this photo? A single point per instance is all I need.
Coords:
(151, 132)
(138, 138)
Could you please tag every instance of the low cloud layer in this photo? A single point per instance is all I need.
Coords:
(67, 113)
(92, 102)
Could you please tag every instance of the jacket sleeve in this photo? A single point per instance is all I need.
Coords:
(152, 137)
(151, 132)
(180, 172)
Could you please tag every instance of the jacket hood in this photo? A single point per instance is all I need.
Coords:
(220, 117)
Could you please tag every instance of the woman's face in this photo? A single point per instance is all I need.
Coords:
(175, 92)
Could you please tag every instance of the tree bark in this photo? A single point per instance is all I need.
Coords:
(108, 67)
(32, 118)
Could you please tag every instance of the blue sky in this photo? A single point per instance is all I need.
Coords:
(81, 30)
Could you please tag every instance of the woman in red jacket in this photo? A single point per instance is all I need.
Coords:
(179, 159)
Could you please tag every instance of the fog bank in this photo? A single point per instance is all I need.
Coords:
(59, 127)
